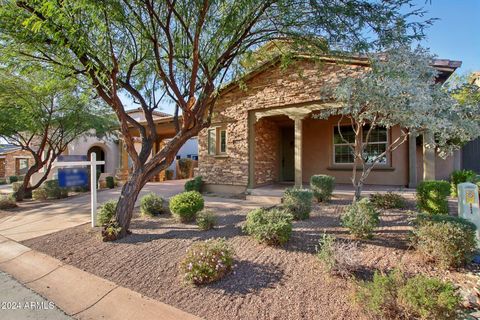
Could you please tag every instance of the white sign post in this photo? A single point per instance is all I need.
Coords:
(93, 180)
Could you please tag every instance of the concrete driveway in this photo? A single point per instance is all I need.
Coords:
(66, 213)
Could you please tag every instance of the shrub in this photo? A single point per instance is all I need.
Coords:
(207, 261)
(110, 181)
(184, 168)
(169, 174)
(39, 194)
(186, 205)
(361, 218)
(338, 257)
(151, 205)
(194, 184)
(322, 186)
(7, 203)
(16, 186)
(393, 296)
(12, 179)
(53, 190)
(428, 298)
(206, 220)
(272, 227)
(3, 181)
(432, 196)
(110, 231)
(298, 202)
(388, 200)
(106, 212)
(449, 241)
(460, 176)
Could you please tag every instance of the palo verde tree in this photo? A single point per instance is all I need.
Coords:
(42, 114)
(180, 50)
(399, 89)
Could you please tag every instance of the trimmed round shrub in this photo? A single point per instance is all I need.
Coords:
(53, 190)
(12, 179)
(7, 203)
(39, 194)
(185, 205)
(110, 182)
(106, 212)
(207, 261)
(298, 202)
(322, 186)
(428, 298)
(151, 205)
(273, 227)
(432, 196)
(388, 200)
(446, 240)
(361, 218)
(206, 220)
(194, 184)
(461, 176)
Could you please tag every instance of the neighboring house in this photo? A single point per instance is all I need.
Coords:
(265, 134)
(13, 161)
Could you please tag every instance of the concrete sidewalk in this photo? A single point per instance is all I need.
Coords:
(78, 293)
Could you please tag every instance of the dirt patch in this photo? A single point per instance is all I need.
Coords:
(267, 282)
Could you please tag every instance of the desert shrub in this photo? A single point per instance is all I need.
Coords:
(361, 218)
(460, 176)
(106, 212)
(151, 204)
(394, 296)
(169, 174)
(194, 184)
(3, 181)
(53, 190)
(428, 298)
(7, 203)
(12, 179)
(184, 168)
(185, 205)
(110, 230)
(338, 257)
(322, 186)
(110, 181)
(39, 194)
(16, 186)
(273, 227)
(448, 241)
(388, 200)
(298, 202)
(206, 220)
(432, 196)
(207, 261)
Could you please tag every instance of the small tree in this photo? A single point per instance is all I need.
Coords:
(399, 89)
(42, 114)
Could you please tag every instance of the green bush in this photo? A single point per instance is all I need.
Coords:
(53, 190)
(432, 196)
(448, 241)
(194, 184)
(361, 218)
(394, 296)
(12, 179)
(151, 205)
(168, 174)
(3, 181)
(338, 257)
(322, 186)
(7, 203)
(106, 212)
(298, 202)
(184, 168)
(16, 186)
(39, 194)
(110, 182)
(460, 176)
(428, 298)
(110, 230)
(273, 227)
(207, 261)
(388, 200)
(185, 205)
(206, 220)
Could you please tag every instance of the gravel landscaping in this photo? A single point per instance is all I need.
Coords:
(267, 282)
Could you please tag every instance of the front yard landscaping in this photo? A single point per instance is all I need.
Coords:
(266, 282)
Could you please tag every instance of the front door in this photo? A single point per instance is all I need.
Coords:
(288, 154)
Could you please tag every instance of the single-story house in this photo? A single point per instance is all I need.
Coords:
(13, 161)
(262, 132)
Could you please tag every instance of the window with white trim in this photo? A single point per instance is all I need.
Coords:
(217, 141)
(377, 144)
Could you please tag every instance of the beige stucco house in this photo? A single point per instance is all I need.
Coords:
(262, 132)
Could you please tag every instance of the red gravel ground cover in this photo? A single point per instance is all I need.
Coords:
(267, 283)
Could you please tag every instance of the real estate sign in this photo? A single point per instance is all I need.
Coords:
(468, 205)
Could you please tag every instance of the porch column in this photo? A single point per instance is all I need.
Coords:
(412, 161)
(298, 149)
(428, 157)
(251, 149)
